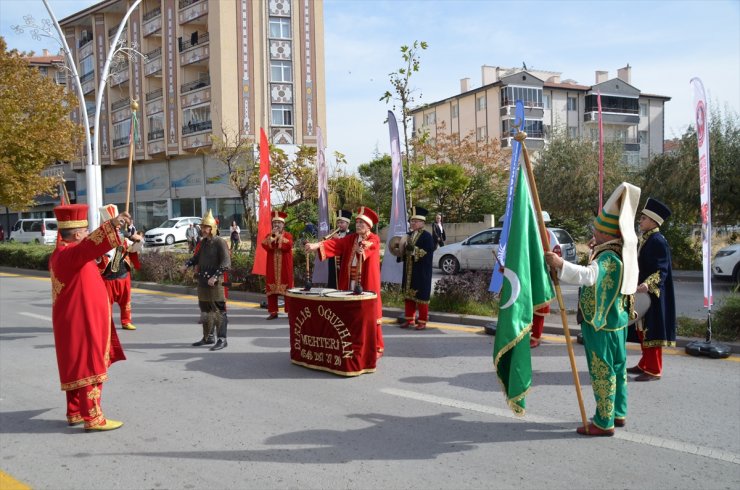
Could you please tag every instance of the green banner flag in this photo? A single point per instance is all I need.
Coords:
(526, 288)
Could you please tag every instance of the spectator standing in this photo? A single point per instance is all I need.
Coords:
(234, 234)
(191, 234)
(438, 232)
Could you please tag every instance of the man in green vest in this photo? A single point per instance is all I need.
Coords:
(605, 304)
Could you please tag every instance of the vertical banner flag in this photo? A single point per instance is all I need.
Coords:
(702, 138)
(265, 225)
(527, 287)
(321, 268)
(497, 279)
(601, 153)
(392, 271)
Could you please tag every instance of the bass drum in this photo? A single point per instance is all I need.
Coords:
(642, 305)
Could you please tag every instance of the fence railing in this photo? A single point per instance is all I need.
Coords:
(195, 127)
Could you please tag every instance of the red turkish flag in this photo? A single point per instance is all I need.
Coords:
(265, 225)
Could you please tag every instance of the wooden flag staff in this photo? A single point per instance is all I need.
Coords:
(134, 108)
(520, 137)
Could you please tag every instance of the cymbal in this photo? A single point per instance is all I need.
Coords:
(396, 245)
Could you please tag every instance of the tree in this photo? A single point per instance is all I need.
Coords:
(567, 176)
(674, 177)
(35, 130)
(463, 178)
(404, 94)
(377, 176)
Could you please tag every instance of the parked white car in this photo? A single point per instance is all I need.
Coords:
(477, 251)
(35, 230)
(171, 231)
(726, 263)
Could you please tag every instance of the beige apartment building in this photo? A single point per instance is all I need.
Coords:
(635, 119)
(210, 66)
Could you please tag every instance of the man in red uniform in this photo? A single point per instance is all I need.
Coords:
(279, 246)
(360, 252)
(85, 340)
(116, 266)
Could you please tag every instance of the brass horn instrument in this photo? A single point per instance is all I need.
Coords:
(336, 230)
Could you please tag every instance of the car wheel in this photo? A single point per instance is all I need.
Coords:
(449, 264)
(169, 240)
(736, 275)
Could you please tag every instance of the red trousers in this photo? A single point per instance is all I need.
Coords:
(410, 310)
(83, 405)
(119, 291)
(538, 322)
(272, 304)
(652, 357)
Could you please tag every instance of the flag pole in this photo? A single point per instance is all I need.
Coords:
(134, 108)
(521, 136)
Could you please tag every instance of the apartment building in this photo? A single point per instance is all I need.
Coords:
(210, 66)
(635, 119)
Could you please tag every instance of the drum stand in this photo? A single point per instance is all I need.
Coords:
(708, 348)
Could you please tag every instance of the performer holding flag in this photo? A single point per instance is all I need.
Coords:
(265, 225)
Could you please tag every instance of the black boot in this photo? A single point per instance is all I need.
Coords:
(207, 332)
(221, 342)
(205, 341)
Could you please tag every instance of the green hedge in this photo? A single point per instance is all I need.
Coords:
(25, 255)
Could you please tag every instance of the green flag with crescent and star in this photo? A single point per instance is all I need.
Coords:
(526, 287)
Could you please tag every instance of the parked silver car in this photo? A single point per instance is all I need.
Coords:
(726, 263)
(477, 251)
(171, 231)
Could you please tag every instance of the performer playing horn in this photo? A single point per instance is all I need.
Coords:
(279, 247)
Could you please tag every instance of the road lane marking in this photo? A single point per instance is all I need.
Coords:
(7, 482)
(660, 442)
(35, 315)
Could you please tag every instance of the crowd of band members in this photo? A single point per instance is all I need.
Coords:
(100, 264)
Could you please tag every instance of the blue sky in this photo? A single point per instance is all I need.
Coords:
(666, 43)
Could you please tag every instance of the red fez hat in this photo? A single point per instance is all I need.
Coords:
(71, 216)
(279, 216)
(367, 215)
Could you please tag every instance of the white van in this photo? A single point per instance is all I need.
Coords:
(34, 230)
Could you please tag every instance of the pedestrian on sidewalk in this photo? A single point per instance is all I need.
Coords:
(606, 284)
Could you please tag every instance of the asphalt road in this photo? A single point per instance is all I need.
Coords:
(432, 416)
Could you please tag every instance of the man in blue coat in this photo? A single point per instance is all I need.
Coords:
(658, 327)
(417, 270)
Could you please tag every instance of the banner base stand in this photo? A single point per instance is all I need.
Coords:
(710, 349)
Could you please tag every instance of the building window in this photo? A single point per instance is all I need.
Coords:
(156, 127)
(280, 27)
(196, 119)
(86, 66)
(533, 128)
(282, 115)
(482, 133)
(454, 111)
(572, 132)
(480, 103)
(121, 133)
(530, 97)
(545, 101)
(430, 119)
(643, 137)
(643, 110)
(572, 104)
(282, 71)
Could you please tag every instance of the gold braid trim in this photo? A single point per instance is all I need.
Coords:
(659, 343)
(653, 283)
(604, 386)
(519, 411)
(95, 379)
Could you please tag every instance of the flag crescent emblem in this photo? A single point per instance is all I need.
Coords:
(515, 287)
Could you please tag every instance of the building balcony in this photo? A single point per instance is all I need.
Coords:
(120, 104)
(506, 102)
(624, 118)
(88, 82)
(119, 77)
(153, 64)
(152, 22)
(196, 39)
(198, 127)
(60, 78)
(191, 10)
(195, 85)
(121, 141)
(195, 97)
(157, 134)
(85, 47)
(87, 77)
(154, 95)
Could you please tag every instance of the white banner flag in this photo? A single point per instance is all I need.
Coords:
(702, 138)
(392, 271)
(321, 268)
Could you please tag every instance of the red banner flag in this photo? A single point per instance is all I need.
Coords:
(265, 226)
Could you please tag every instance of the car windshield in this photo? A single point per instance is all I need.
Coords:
(562, 235)
(170, 223)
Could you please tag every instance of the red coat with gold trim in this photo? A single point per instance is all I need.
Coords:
(370, 272)
(86, 342)
(279, 268)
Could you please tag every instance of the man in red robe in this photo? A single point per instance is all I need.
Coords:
(360, 265)
(279, 246)
(84, 336)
